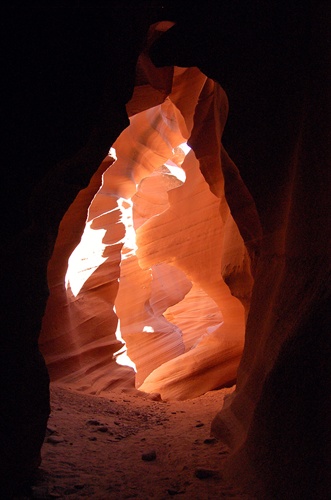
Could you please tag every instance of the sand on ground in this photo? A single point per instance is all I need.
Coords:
(132, 445)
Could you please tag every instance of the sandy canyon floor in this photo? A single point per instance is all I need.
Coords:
(131, 445)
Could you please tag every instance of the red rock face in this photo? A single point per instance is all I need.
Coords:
(153, 283)
(255, 202)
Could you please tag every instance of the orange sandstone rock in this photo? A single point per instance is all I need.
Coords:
(154, 231)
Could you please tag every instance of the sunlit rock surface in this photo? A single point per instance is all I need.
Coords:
(191, 246)
(145, 300)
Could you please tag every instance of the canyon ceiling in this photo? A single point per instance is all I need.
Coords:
(166, 223)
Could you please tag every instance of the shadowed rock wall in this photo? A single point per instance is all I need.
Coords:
(66, 79)
(278, 135)
(64, 106)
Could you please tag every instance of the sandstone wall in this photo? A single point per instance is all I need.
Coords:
(273, 61)
(278, 135)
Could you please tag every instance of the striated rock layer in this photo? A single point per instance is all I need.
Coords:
(154, 232)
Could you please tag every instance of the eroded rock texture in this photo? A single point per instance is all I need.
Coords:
(247, 85)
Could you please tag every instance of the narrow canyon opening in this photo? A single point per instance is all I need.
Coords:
(154, 294)
(158, 276)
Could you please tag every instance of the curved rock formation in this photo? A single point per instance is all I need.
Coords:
(153, 218)
(262, 145)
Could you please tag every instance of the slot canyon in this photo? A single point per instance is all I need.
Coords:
(165, 250)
